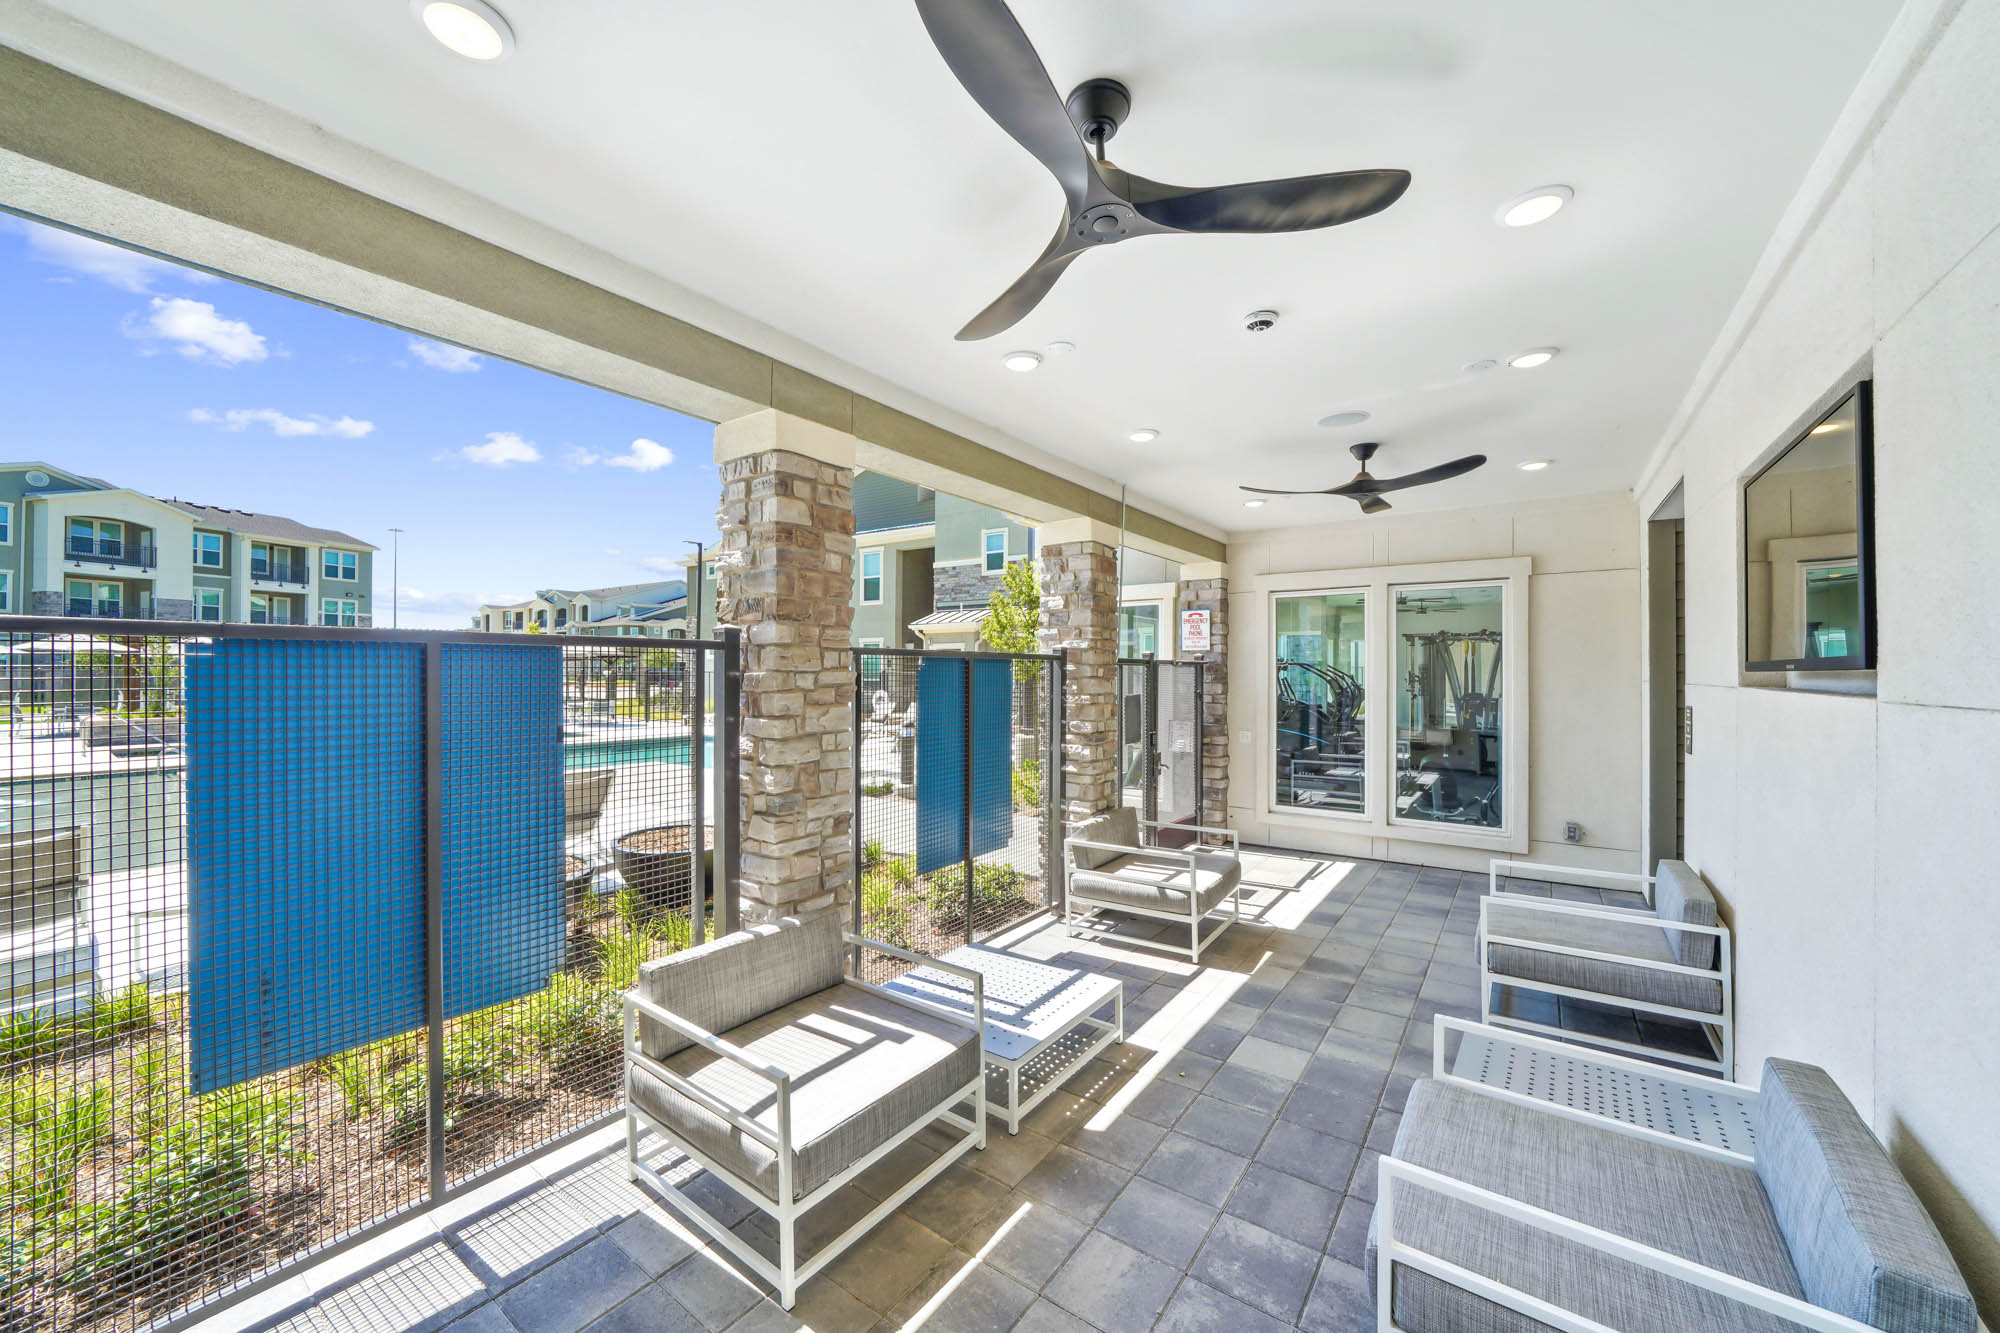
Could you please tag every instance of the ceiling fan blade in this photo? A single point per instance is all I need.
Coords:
(1265, 490)
(1300, 203)
(1457, 467)
(1373, 504)
(1027, 291)
(992, 57)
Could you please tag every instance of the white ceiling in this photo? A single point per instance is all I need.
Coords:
(813, 165)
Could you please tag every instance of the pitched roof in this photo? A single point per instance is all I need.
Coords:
(266, 525)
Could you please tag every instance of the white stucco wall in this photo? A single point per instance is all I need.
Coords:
(1854, 836)
(1585, 706)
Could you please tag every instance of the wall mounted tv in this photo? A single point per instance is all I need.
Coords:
(1808, 548)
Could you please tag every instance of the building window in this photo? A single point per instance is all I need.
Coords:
(208, 550)
(6, 590)
(260, 609)
(339, 612)
(871, 578)
(1139, 630)
(994, 546)
(84, 598)
(338, 565)
(1449, 724)
(97, 536)
(1322, 663)
(208, 604)
(6, 523)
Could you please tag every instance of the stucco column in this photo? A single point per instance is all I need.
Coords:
(1080, 621)
(237, 605)
(1205, 587)
(785, 575)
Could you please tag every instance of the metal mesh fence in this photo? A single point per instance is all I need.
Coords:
(250, 873)
(955, 796)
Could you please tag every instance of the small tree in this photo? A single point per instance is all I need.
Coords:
(1012, 625)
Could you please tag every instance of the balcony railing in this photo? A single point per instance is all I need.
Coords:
(292, 574)
(111, 551)
(84, 606)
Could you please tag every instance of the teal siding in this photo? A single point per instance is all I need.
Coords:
(882, 502)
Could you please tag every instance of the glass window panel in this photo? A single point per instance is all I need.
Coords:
(1139, 630)
(1802, 545)
(1322, 657)
(1449, 718)
(871, 576)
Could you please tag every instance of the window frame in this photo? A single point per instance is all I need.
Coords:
(861, 576)
(201, 605)
(1335, 830)
(6, 590)
(345, 565)
(1369, 759)
(200, 550)
(986, 552)
(346, 616)
(6, 522)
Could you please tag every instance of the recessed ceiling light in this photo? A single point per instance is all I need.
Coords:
(1533, 465)
(1060, 348)
(1143, 435)
(1253, 504)
(1528, 360)
(470, 28)
(1340, 419)
(1474, 367)
(1537, 205)
(1021, 361)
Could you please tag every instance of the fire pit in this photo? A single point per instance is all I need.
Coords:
(654, 864)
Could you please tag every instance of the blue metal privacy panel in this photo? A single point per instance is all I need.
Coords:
(305, 845)
(941, 732)
(503, 822)
(305, 851)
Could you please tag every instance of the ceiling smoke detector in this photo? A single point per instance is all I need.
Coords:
(1260, 321)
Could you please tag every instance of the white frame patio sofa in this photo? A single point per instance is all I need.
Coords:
(1672, 958)
(759, 1058)
(1506, 1213)
(1110, 869)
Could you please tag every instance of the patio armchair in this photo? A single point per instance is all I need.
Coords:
(1109, 868)
(758, 1058)
(585, 790)
(1671, 958)
(1500, 1211)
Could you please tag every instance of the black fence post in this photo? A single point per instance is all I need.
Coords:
(729, 796)
(965, 722)
(700, 853)
(1149, 756)
(1052, 782)
(857, 654)
(434, 910)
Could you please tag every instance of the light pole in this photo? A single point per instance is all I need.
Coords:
(395, 577)
(697, 602)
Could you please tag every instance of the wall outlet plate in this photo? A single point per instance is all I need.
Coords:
(1242, 738)
(1572, 831)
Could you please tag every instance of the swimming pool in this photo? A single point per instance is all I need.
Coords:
(652, 750)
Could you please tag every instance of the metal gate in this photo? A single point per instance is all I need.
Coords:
(957, 770)
(1160, 741)
(311, 928)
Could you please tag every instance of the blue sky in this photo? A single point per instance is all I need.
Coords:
(176, 383)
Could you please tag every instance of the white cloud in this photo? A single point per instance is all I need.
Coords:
(197, 332)
(239, 418)
(574, 457)
(643, 456)
(443, 356)
(661, 564)
(502, 449)
(125, 269)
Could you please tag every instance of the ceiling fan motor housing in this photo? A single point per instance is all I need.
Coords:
(1099, 107)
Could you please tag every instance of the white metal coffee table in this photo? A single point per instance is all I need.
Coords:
(1041, 1019)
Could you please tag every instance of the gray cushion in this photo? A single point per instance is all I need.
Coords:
(1710, 1212)
(1634, 938)
(1120, 826)
(1680, 894)
(738, 977)
(1863, 1244)
(1159, 883)
(864, 1068)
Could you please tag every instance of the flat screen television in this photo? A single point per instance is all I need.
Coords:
(1808, 557)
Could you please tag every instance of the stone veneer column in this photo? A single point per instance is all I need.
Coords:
(785, 575)
(1080, 621)
(1206, 587)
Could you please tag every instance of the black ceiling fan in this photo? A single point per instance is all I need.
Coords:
(1367, 491)
(986, 49)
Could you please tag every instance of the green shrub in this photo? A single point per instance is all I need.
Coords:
(1028, 784)
(479, 1058)
(871, 852)
(29, 1036)
(877, 788)
(576, 1025)
(51, 1132)
(998, 889)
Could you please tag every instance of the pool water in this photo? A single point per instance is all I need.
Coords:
(653, 750)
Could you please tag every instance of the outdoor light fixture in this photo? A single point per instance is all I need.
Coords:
(1023, 362)
(1537, 205)
(1528, 360)
(1533, 465)
(1253, 504)
(470, 28)
(1340, 419)
(1144, 435)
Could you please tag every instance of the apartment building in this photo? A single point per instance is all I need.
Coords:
(74, 545)
(656, 610)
